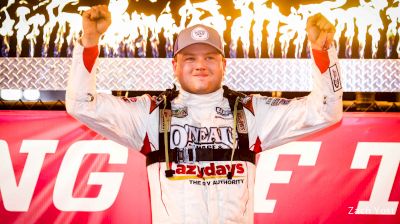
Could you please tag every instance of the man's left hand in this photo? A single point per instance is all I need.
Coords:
(320, 32)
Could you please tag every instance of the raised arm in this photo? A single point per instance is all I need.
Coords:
(280, 120)
(121, 120)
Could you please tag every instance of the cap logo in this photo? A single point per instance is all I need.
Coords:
(199, 33)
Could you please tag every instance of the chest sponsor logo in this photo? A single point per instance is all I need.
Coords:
(223, 112)
(192, 137)
(180, 112)
(212, 174)
(210, 171)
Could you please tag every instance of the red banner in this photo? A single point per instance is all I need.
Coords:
(55, 170)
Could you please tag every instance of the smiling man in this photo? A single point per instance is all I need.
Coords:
(200, 142)
(199, 62)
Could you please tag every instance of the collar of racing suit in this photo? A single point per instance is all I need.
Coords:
(200, 100)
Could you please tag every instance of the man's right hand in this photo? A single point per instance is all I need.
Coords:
(320, 32)
(95, 22)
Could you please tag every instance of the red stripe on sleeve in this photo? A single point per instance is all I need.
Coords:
(89, 57)
(321, 59)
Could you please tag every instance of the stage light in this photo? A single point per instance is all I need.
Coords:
(11, 94)
(31, 94)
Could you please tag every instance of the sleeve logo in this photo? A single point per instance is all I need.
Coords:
(335, 78)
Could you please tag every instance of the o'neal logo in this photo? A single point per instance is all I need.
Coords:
(210, 171)
(201, 137)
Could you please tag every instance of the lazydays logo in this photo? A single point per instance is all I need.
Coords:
(191, 171)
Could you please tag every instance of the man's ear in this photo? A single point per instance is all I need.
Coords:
(174, 64)
(224, 63)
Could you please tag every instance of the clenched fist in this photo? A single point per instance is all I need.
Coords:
(320, 32)
(95, 22)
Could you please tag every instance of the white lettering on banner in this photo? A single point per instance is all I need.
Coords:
(379, 201)
(267, 175)
(18, 197)
(110, 181)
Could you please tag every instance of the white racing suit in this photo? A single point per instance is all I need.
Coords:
(199, 192)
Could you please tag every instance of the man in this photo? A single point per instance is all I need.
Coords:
(201, 143)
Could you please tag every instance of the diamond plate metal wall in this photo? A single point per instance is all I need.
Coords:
(141, 74)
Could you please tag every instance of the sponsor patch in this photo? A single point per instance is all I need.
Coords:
(167, 117)
(335, 78)
(241, 122)
(223, 112)
(213, 170)
(199, 33)
(180, 112)
(276, 101)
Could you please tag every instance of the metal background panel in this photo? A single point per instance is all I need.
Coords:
(155, 74)
(269, 74)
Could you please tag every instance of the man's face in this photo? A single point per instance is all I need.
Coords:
(199, 68)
